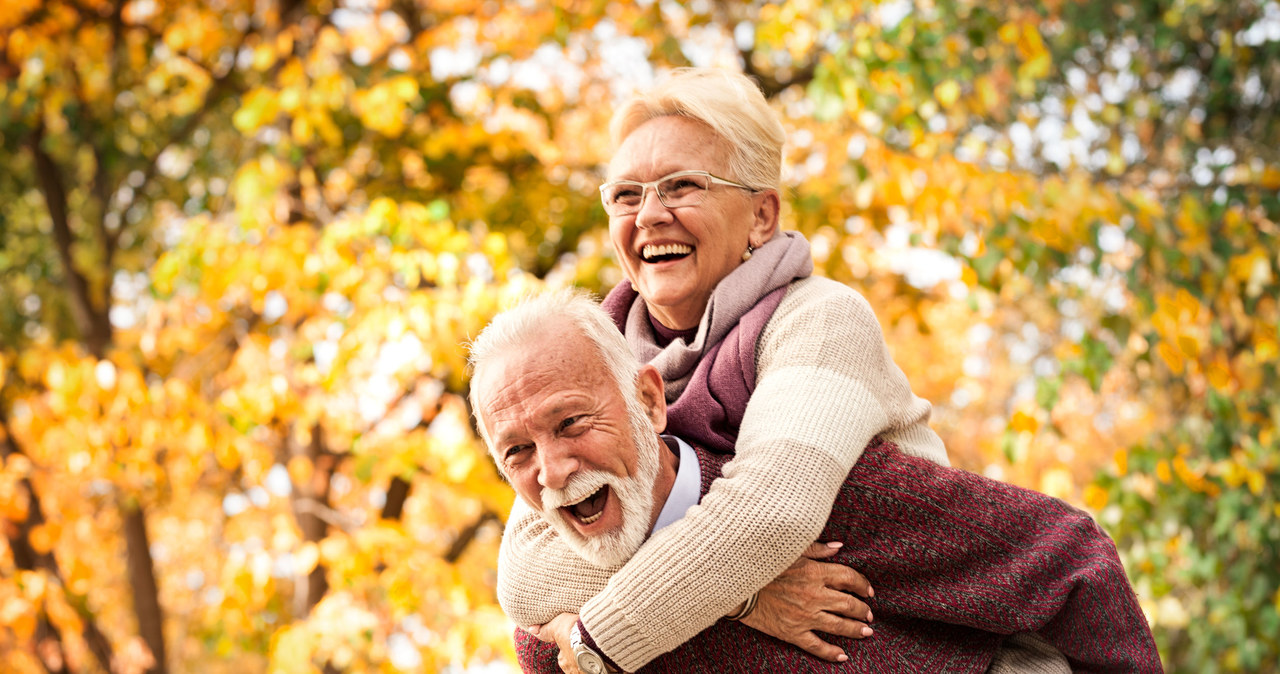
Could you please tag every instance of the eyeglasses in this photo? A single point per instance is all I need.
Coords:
(682, 188)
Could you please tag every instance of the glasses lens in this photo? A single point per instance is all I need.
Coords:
(685, 190)
(622, 197)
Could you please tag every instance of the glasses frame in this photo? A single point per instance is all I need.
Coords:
(644, 190)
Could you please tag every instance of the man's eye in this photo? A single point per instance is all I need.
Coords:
(514, 451)
(569, 422)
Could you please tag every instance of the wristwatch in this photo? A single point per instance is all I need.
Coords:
(588, 660)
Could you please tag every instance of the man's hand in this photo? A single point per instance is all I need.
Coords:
(557, 631)
(811, 596)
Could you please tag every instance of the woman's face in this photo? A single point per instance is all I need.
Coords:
(675, 257)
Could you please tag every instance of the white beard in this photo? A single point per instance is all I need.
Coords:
(634, 494)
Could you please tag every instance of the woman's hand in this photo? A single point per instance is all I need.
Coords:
(557, 631)
(811, 596)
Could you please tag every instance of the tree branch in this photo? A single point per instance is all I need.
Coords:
(217, 91)
(94, 327)
(466, 536)
(771, 84)
(324, 513)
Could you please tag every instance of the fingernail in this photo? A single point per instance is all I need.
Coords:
(842, 658)
(835, 544)
(871, 592)
(870, 618)
(867, 631)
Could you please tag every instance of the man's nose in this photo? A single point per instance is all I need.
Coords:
(556, 467)
(652, 212)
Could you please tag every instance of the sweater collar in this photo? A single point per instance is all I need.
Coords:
(686, 491)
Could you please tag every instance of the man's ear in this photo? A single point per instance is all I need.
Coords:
(651, 391)
(765, 224)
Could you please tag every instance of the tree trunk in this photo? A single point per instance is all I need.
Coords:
(311, 502)
(146, 596)
(94, 324)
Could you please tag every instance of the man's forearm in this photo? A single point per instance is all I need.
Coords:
(539, 577)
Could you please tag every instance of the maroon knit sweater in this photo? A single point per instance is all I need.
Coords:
(958, 561)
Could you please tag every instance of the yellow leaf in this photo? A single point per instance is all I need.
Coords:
(1121, 458)
(1022, 421)
(61, 613)
(33, 584)
(1056, 483)
(301, 469)
(43, 537)
(1095, 497)
(260, 107)
(306, 558)
(263, 57)
(947, 93)
(19, 615)
(1256, 480)
(1171, 357)
(302, 130)
(334, 548)
(1270, 178)
(1009, 33)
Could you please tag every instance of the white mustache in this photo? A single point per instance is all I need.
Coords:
(580, 486)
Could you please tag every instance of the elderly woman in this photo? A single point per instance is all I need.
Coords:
(788, 371)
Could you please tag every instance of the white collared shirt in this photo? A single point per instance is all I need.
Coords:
(686, 491)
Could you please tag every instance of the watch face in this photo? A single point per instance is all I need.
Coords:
(589, 662)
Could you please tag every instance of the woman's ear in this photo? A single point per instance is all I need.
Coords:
(650, 389)
(765, 224)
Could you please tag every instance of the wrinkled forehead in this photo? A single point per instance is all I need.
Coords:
(552, 366)
(667, 144)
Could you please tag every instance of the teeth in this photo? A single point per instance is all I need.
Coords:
(649, 252)
(589, 520)
(580, 499)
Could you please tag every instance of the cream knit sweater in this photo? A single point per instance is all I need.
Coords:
(826, 385)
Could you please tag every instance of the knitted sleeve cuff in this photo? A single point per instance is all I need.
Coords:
(591, 643)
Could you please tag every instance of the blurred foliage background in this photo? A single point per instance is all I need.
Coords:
(243, 240)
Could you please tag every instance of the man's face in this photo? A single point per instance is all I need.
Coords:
(565, 438)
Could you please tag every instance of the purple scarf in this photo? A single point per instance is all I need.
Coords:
(710, 380)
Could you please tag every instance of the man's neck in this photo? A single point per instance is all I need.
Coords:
(668, 467)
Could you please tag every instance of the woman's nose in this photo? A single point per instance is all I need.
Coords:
(652, 212)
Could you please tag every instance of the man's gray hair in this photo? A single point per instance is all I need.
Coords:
(728, 102)
(537, 315)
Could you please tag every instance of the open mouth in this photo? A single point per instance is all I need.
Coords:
(665, 252)
(589, 509)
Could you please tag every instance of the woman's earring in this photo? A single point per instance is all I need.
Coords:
(746, 254)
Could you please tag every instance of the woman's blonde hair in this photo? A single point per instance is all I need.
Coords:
(728, 102)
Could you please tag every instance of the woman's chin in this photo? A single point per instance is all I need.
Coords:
(672, 301)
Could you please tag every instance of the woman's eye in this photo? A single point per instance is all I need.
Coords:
(626, 195)
(680, 186)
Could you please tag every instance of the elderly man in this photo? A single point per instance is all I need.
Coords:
(959, 562)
